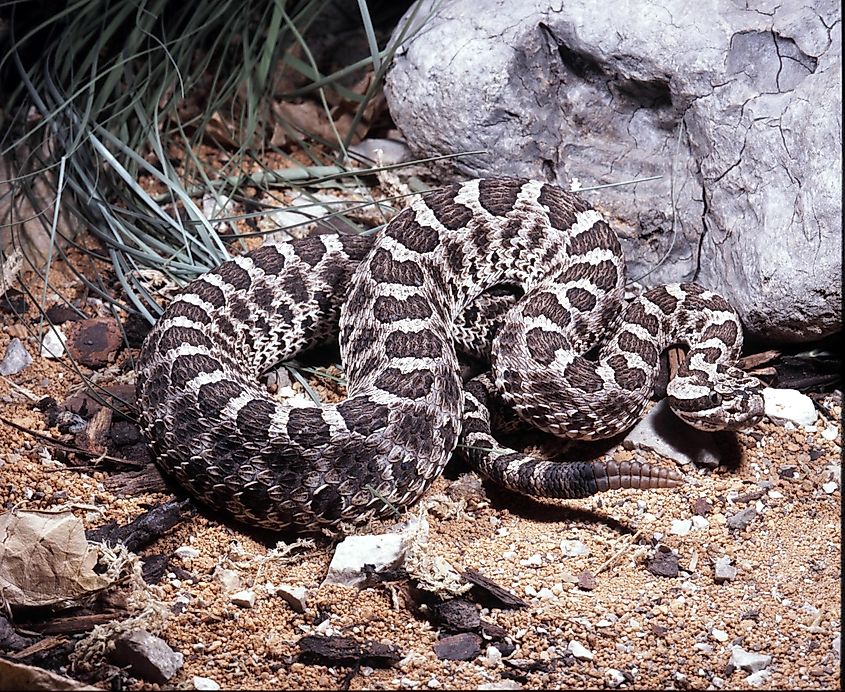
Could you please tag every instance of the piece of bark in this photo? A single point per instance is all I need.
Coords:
(135, 483)
(76, 623)
(145, 528)
(755, 360)
(457, 615)
(93, 438)
(500, 595)
(44, 644)
(346, 651)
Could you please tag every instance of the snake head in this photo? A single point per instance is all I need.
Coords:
(732, 401)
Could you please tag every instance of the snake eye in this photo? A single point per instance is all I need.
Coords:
(715, 398)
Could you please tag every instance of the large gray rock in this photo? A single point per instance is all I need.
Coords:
(737, 109)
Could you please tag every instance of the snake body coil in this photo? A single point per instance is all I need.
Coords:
(402, 301)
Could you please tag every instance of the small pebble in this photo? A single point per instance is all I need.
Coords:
(492, 657)
(244, 599)
(586, 581)
(229, 578)
(579, 651)
(700, 522)
(201, 683)
(613, 677)
(830, 432)
(748, 661)
(680, 527)
(295, 596)
(571, 548)
(664, 563)
(719, 635)
(458, 647)
(742, 519)
(53, 343)
(723, 570)
(147, 656)
(758, 678)
(830, 487)
(186, 552)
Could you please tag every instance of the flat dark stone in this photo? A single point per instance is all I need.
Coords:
(458, 647)
(586, 581)
(59, 313)
(742, 519)
(94, 342)
(664, 563)
(13, 302)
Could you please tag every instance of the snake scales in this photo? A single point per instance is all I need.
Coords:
(401, 302)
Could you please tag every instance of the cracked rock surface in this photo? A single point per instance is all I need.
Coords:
(737, 108)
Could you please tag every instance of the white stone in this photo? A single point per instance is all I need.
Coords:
(758, 678)
(681, 527)
(382, 551)
(503, 684)
(186, 552)
(201, 683)
(830, 432)
(535, 560)
(16, 359)
(229, 578)
(571, 548)
(244, 599)
(700, 522)
(830, 487)
(492, 657)
(723, 570)
(789, 405)
(836, 645)
(613, 677)
(53, 343)
(719, 635)
(579, 651)
(749, 661)
(295, 596)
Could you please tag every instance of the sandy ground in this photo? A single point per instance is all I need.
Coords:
(640, 630)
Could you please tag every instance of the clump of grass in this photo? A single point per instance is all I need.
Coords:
(109, 103)
(120, 119)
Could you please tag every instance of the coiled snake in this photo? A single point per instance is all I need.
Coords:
(401, 302)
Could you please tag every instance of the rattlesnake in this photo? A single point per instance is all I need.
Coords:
(401, 301)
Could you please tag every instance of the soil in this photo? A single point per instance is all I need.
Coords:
(607, 616)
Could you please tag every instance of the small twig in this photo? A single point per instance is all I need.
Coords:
(620, 183)
(619, 554)
(22, 390)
